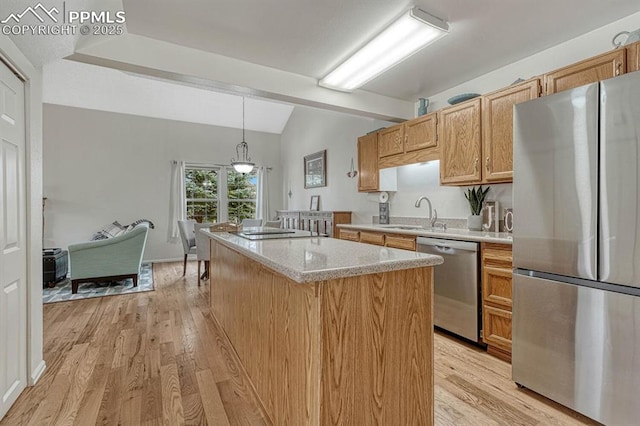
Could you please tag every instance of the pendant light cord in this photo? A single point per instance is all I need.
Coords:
(243, 119)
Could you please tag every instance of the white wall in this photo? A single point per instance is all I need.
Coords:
(417, 180)
(310, 130)
(103, 166)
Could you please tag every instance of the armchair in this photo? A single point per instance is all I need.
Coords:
(203, 249)
(247, 223)
(112, 259)
(188, 237)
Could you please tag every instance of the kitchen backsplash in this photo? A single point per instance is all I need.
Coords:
(424, 222)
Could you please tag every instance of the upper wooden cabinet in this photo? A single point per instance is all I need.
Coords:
(633, 57)
(594, 69)
(460, 143)
(497, 129)
(368, 162)
(391, 141)
(421, 133)
(413, 141)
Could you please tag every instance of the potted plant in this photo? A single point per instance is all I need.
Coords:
(475, 196)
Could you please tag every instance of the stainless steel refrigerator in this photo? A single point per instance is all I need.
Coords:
(576, 248)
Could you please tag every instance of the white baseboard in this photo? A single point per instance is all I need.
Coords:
(37, 373)
(178, 259)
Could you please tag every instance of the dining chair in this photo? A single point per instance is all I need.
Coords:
(203, 249)
(188, 237)
(248, 223)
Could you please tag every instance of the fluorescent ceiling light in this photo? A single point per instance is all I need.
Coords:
(411, 32)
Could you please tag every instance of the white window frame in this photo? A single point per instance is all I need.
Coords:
(227, 200)
(217, 199)
(222, 195)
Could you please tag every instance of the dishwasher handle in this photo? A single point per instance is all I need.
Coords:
(447, 246)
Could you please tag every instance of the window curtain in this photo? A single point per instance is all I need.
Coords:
(263, 210)
(223, 198)
(177, 203)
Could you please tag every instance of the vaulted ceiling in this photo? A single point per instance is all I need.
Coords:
(295, 42)
(310, 37)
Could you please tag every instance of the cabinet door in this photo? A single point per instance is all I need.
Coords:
(400, 242)
(421, 133)
(497, 129)
(368, 163)
(598, 68)
(497, 302)
(496, 328)
(391, 141)
(372, 238)
(633, 57)
(460, 143)
(347, 234)
(497, 287)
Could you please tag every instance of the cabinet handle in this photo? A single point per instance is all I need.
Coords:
(618, 66)
(475, 165)
(486, 164)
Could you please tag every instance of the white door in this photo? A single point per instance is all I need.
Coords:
(13, 239)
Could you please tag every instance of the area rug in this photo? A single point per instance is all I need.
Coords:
(62, 291)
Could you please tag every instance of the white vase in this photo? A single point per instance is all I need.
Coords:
(474, 222)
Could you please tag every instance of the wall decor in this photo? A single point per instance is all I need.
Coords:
(490, 216)
(315, 170)
(315, 203)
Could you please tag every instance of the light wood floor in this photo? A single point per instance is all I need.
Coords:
(159, 358)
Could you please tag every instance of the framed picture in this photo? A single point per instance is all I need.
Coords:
(315, 203)
(315, 170)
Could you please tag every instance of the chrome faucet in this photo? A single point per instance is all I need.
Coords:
(433, 213)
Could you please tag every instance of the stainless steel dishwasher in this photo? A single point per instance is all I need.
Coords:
(456, 286)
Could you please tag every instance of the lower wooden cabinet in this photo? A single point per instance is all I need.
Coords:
(404, 242)
(347, 234)
(376, 238)
(497, 294)
(401, 242)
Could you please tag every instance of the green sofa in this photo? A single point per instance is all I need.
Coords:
(112, 259)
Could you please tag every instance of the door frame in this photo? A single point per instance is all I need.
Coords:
(12, 57)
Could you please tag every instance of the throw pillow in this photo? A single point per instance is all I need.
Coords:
(108, 231)
(143, 220)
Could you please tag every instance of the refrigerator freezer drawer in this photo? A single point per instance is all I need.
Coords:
(578, 346)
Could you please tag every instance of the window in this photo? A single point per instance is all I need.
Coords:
(201, 188)
(219, 194)
(241, 195)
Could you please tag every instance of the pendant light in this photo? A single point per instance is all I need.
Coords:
(243, 163)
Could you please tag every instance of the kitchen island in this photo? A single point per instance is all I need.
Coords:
(328, 331)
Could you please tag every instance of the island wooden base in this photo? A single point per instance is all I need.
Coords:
(347, 351)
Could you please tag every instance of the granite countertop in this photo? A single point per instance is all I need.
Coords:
(321, 258)
(449, 233)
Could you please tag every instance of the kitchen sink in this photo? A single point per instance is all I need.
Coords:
(405, 227)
